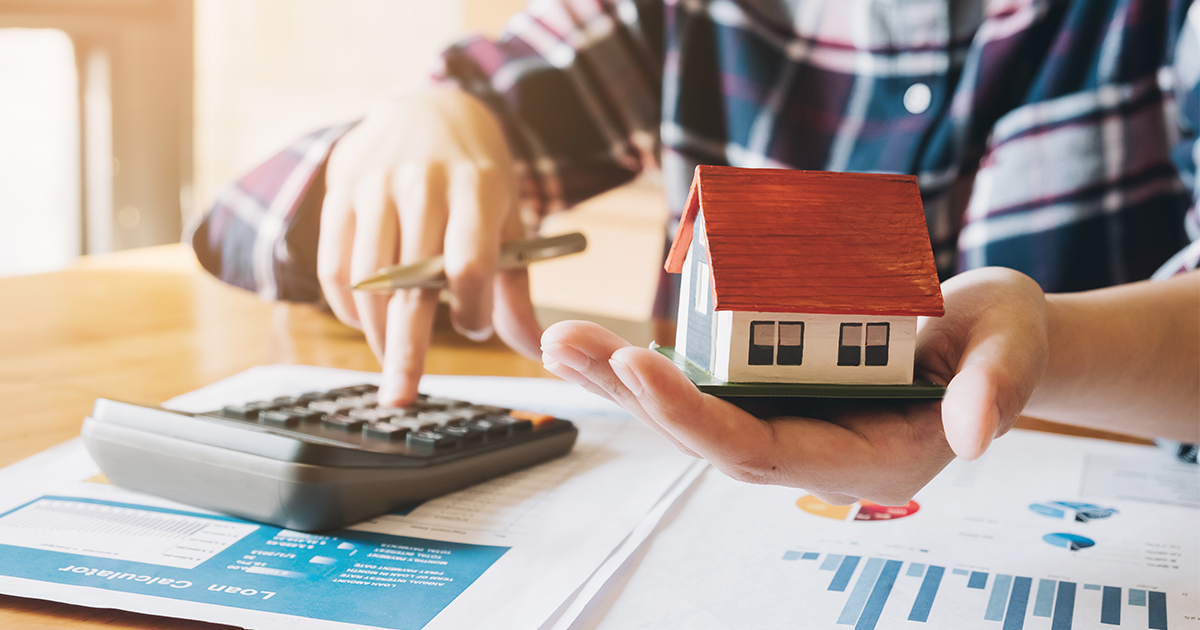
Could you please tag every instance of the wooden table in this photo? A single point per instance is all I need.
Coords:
(147, 325)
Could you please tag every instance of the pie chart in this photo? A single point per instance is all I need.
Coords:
(860, 511)
(1069, 541)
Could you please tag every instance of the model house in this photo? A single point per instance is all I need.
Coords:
(803, 276)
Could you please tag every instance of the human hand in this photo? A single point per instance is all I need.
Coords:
(990, 348)
(427, 172)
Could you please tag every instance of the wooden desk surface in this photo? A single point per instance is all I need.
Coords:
(147, 325)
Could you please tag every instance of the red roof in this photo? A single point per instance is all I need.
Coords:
(812, 242)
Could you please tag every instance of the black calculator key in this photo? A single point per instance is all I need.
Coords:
(493, 430)
(371, 415)
(440, 418)
(431, 442)
(285, 401)
(309, 397)
(330, 407)
(240, 412)
(344, 423)
(280, 418)
(468, 435)
(444, 403)
(386, 431)
(305, 414)
(515, 425)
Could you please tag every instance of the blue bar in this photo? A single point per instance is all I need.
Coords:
(1014, 617)
(1091, 587)
(831, 562)
(1064, 606)
(995, 607)
(862, 588)
(1044, 604)
(959, 571)
(810, 556)
(916, 569)
(929, 589)
(1110, 606)
(1158, 610)
(791, 555)
(1137, 597)
(842, 577)
(879, 596)
(978, 580)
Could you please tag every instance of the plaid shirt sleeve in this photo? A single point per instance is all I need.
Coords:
(261, 232)
(577, 85)
(1186, 154)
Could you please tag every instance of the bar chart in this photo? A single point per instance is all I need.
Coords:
(869, 584)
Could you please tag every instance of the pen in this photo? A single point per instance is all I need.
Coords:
(431, 272)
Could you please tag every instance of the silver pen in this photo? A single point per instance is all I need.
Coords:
(431, 272)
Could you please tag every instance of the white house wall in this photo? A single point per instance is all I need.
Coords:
(821, 339)
(685, 295)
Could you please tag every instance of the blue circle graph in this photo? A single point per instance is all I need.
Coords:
(1069, 541)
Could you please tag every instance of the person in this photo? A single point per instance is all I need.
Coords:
(1055, 138)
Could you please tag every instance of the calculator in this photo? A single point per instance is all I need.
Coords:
(320, 460)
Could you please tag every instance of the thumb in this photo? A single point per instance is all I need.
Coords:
(982, 402)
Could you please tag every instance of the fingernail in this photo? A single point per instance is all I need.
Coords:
(628, 378)
(567, 355)
(564, 372)
(483, 334)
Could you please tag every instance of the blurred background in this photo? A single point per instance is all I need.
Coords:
(121, 119)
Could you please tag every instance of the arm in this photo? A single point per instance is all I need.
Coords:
(564, 106)
(1000, 345)
(1125, 359)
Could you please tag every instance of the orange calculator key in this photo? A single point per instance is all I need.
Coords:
(538, 419)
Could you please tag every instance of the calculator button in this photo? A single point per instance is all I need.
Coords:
(310, 397)
(344, 423)
(493, 430)
(371, 415)
(305, 414)
(440, 418)
(444, 403)
(431, 442)
(515, 425)
(285, 401)
(240, 412)
(386, 431)
(280, 418)
(537, 419)
(358, 402)
(330, 407)
(468, 435)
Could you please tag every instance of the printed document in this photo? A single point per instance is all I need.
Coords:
(507, 553)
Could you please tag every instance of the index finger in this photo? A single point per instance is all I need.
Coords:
(420, 194)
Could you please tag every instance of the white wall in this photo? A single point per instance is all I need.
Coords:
(39, 152)
(270, 71)
(821, 337)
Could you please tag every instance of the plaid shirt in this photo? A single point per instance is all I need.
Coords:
(1056, 137)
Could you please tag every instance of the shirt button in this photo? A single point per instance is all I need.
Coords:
(917, 98)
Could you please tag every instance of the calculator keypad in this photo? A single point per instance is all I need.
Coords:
(430, 426)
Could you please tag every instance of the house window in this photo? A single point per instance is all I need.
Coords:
(851, 343)
(702, 288)
(762, 343)
(764, 339)
(877, 344)
(791, 343)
